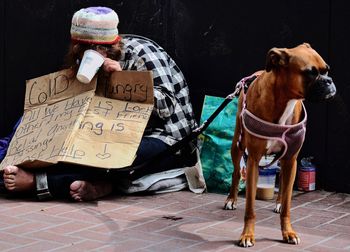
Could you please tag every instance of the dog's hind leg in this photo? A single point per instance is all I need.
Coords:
(236, 154)
(288, 169)
(278, 205)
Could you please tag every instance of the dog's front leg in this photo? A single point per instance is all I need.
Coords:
(247, 238)
(288, 175)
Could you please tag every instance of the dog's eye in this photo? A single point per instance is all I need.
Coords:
(313, 72)
(325, 71)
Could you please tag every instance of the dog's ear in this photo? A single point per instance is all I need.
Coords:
(275, 58)
(307, 45)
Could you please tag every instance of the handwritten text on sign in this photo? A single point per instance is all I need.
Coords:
(64, 121)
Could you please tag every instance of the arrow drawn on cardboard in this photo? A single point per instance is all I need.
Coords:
(105, 154)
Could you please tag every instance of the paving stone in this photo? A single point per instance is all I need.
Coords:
(179, 221)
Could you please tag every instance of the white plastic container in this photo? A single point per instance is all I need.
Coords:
(267, 179)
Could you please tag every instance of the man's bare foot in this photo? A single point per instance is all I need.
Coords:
(85, 191)
(18, 180)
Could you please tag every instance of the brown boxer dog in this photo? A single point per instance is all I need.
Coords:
(275, 98)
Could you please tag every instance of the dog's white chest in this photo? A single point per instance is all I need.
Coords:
(274, 146)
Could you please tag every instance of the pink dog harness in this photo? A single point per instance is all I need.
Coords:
(291, 136)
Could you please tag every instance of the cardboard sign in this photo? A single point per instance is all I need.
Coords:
(65, 121)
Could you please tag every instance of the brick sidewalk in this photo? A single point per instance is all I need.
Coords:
(180, 221)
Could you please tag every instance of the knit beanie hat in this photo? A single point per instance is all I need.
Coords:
(95, 25)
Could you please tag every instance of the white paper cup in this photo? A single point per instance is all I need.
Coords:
(89, 65)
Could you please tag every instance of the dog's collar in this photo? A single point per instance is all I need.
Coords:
(290, 136)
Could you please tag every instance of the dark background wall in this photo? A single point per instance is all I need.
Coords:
(214, 42)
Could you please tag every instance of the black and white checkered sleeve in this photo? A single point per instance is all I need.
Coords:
(171, 92)
(156, 60)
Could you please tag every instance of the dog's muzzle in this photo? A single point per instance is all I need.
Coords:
(321, 89)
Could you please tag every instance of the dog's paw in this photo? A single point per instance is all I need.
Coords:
(277, 208)
(246, 240)
(291, 237)
(230, 204)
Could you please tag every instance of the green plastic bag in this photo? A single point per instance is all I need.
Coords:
(215, 144)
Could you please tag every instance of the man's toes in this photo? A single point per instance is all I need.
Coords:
(8, 177)
(84, 190)
(9, 182)
(76, 186)
(10, 186)
(10, 170)
(76, 197)
(76, 189)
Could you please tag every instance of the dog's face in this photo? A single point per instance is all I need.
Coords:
(303, 72)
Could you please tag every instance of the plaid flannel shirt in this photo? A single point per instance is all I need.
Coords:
(172, 117)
